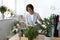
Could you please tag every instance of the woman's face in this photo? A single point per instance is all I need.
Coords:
(30, 10)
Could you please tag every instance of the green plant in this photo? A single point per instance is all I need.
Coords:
(15, 30)
(12, 13)
(3, 9)
(49, 23)
(40, 27)
(16, 26)
(31, 33)
(48, 26)
(15, 22)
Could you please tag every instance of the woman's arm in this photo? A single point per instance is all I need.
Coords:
(40, 20)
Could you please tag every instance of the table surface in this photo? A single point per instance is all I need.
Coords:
(39, 37)
(15, 37)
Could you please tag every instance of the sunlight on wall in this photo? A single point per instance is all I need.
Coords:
(49, 7)
(0, 2)
(10, 4)
(44, 7)
(20, 7)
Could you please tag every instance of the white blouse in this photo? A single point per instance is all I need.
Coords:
(32, 19)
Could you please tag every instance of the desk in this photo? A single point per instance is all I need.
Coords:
(55, 38)
(15, 37)
(39, 37)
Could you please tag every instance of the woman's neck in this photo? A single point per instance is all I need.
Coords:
(32, 13)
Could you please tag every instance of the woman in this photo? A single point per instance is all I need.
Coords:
(32, 17)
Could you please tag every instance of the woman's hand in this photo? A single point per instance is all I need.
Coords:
(30, 25)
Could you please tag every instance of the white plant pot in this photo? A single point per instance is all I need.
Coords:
(2, 16)
(47, 38)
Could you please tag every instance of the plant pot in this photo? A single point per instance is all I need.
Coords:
(47, 38)
(2, 16)
(30, 39)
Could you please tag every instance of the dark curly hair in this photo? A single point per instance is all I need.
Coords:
(30, 6)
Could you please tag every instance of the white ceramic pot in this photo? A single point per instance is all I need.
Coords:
(2, 16)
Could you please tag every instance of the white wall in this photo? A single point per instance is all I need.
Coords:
(49, 7)
(44, 7)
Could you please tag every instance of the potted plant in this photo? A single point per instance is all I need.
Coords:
(3, 9)
(48, 23)
(31, 33)
(16, 26)
(10, 12)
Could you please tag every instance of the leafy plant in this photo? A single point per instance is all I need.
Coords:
(10, 12)
(3, 9)
(15, 30)
(40, 27)
(49, 23)
(16, 26)
(31, 33)
(16, 22)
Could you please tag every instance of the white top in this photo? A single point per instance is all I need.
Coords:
(32, 19)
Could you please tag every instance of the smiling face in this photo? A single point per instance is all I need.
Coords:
(30, 10)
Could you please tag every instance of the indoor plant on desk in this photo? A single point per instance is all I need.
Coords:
(49, 23)
(16, 26)
(10, 12)
(3, 9)
(31, 33)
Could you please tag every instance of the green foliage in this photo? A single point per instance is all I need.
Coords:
(3, 9)
(11, 13)
(16, 27)
(15, 22)
(40, 27)
(15, 30)
(52, 20)
(31, 33)
(49, 23)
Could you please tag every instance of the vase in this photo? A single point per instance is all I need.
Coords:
(47, 38)
(2, 16)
